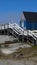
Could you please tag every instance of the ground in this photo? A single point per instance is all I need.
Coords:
(23, 56)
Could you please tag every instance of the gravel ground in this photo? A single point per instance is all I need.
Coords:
(15, 62)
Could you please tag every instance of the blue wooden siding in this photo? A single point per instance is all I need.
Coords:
(29, 25)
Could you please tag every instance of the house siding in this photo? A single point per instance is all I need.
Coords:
(29, 25)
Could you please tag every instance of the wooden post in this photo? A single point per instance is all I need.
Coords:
(27, 36)
(36, 41)
(4, 29)
(7, 29)
(23, 37)
(1, 29)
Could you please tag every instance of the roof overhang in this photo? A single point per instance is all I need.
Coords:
(30, 16)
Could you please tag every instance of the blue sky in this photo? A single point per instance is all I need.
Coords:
(10, 10)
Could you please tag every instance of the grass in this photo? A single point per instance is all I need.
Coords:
(28, 52)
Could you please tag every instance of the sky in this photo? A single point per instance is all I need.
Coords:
(11, 10)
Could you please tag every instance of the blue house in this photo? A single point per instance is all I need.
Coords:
(29, 20)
